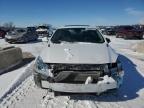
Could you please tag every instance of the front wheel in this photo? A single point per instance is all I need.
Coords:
(37, 80)
(26, 40)
(126, 37)
(141, 37)
(117, 36)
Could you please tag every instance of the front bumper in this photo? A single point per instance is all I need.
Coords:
(110, 79)
(14, 40)
(101, 86)
(10, 40)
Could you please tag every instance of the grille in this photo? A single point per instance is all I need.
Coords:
(75, 67)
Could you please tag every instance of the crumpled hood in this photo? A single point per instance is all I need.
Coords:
(79, 53)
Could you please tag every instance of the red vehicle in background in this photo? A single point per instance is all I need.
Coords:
(2, 33)
(129, 32)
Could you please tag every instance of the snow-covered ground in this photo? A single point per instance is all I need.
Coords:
(130, 95)
(33, 47)
(9, 79)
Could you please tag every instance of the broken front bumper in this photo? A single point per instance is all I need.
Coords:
(106, 84)
(112, 80)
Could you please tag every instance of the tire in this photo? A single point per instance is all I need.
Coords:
(37, 80)
(117, 36)
(26, 40)
(10, 42)
(113, 91)
(141, 37)
(125, 37)
(3, 37)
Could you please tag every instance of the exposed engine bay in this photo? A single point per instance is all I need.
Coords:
(81, 78)
(77, 73)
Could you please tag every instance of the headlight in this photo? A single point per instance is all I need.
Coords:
(40, 65)
(42, 68)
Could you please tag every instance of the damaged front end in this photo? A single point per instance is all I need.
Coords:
(78, 78)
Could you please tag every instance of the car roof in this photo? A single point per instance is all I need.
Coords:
(78, 26)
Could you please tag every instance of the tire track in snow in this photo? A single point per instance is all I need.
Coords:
(31, 96)
(17, 94)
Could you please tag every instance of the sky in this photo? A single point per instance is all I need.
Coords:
(64, 12)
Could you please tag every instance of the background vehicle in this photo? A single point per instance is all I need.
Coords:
(79, 60)
(109, 31)
(2, 33)
(22, 35)
(129, 32)
(42, 31)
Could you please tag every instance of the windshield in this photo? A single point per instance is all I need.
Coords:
(20, 30)
(77, 35)
(16, 31)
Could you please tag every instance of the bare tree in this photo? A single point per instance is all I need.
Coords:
(9, 25)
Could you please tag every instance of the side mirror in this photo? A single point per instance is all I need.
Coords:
(108, 40)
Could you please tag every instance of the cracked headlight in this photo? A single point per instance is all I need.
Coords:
(42, 68)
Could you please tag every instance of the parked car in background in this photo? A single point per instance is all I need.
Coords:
(2, 33)
(109, 31)
(101, 29)
(78, 59)
(129, 32)
(42, 31)
(22, 35)
(142, 28)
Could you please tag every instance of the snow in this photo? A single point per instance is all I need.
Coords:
(13, 78)
(7, 79)
(18, 79)
(130, 95)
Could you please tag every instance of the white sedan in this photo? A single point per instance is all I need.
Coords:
(78, 59)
